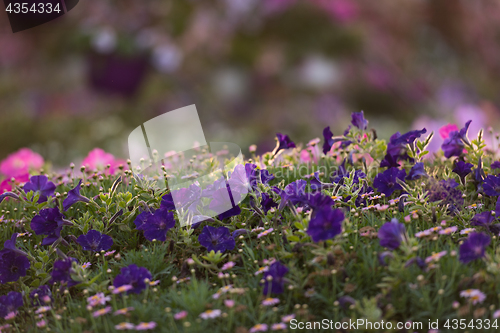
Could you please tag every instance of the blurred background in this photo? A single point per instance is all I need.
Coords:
(252, 67)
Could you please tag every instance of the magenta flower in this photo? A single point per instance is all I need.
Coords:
(445, 131)
(6, 184)
(20, 163)
(98, 159)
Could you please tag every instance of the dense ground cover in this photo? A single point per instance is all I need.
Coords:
(348, 227)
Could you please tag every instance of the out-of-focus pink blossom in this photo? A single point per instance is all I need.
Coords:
(445, 131)
(21, 162)
(98, 159)
(6, 184)
(343, 11)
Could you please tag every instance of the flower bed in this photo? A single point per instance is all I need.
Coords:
(359, 228)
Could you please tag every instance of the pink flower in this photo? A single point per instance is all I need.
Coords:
(270, 301)
(20, 163)
(101, 312)
(41, 323)
(228, 265)
(10, 315)
(98, 159)
(124, 326)
(229, 303)
(445, 131)
(123, 311)
(341, 10)
(145, 326)
(180, 315)
(259, 328)
(6, 184)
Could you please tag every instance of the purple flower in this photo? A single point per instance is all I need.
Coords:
(358, 120)
(134, 276)
(239, 232)
(447, 191)
(474, 247)
(383, 256)
(216, 239)
(95, 241)
(416, 260)
(42, 185)
(491, 185)
(391, 234)
(187, 198)
(284, 142)
(462, 169)
(225, 200)
(342, 172)
(346, 301)
(267, 202)
(265, 176)
(317, 185)
(454, 144)
(10, 303)
(43, 293)
(13, 262)
(319, 200)
(74, 197)
(48, 222)
(155, 225)
(275, 284)
(329, 141)
(167, 202)
(483, 219)
(495, 165)
(295, 192)
(417, 171)
(397, 147)
(62, 271)
(386, 182)
(326, 224)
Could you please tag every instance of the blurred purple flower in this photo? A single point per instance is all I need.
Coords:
(295, 192)
(386, 182)
(284, 142)
(43, 293)
(397, 147)
(491, 186)
(167, 202)
(13, 262)
(391, 234)
(273, 279)
(474, 247)
(74, 197)
(216, 239)
(41, 185)
(495, 165)
(48, 222)
(417, 171)
(454, 144)
(483, 219)
(95, 241)
(326, 224)
(10, 303)
(329, 141)
(447, 191)
(383, 256)
(61, 272)
(133, 276)
(267, 202)
(358, 120)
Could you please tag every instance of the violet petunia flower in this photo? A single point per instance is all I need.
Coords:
(155, 225)
(13, 262)
(326, 224)
(318, 200)
(329, 141)
(41, 295)
(386, 182)
(61, 272)
(342, 173)
(133, 276)
(491, 185)
(10, 303)
(95, 241)
(74, 196)
(483, 219)
(454, 144)
(167, 202)
(41, 185)
(267, 203)
(447, 192)
(48, 222)
(358, 120)
(495, 165)
(391, 234)
(216, 239)
(284, 142)
(417, 171)
(274, 279)
(474, 247)
(295, 193)
(462, 169)
(384, 256)
(397, 147)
